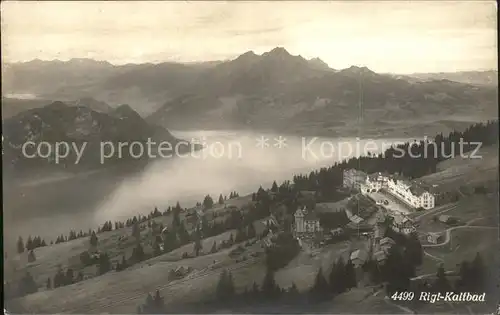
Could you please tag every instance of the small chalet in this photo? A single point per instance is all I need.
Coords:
(386, 243)
(434, 238)
(306, 221)
(359, 257)
(380, 257)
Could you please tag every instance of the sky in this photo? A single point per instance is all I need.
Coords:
(385, 36)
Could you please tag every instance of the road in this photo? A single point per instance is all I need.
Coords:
(438, 210)
(448, 233)
(433, 257)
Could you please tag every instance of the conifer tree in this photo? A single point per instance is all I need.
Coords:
(93, 239)
(20, 245)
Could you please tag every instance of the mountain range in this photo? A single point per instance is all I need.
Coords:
(275, 91)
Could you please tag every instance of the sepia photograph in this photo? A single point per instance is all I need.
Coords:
(250, 157)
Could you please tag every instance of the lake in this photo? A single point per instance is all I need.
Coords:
(231, 161)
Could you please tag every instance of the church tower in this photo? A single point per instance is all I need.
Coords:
(299, 221)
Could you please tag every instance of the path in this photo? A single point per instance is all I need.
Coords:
(438, 210)
(405, 309)
(433, 257)
(448, 233)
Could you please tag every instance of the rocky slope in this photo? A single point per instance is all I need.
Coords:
(83, 130)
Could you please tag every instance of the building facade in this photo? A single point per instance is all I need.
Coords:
(375, 182)
(403, 224)
(353, 178)
(306, 222)
(434, 238)
(410, 193)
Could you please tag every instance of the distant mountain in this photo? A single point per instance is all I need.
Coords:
(274, 91)
(14, 106)
(144, 86)
(58, 123)
(470, 77)
(280, 92)
(92, 104)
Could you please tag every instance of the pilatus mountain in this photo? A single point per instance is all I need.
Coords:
(275, 91)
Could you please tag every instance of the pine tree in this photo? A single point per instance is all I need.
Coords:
(350, 275)
(269, 287)
(293, 292)
(479, 275)
(69, 276)
(274, 188)
(225, 287)
(31, 256)
(136, 231)
(208, 202)
(20, 245)
(320, 283)
(29, 244)
(415, 252)
(104, 264)
(27, 285)
(251, 233)
(93, 239)
(59, 278)
(221, 200)
(197, 243)
(158, 304)
(464, 283)
(441, 283)
(138, 254)
(338, 277)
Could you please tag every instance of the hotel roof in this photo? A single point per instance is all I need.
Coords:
(416, 190)
(387, 241)
(359, 254)
(311, 216)
(356, 219)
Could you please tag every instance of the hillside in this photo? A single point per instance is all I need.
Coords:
(464, 171)
(76, 126)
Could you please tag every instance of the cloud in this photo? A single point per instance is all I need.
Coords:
(389, 36)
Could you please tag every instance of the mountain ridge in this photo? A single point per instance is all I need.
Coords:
(273, 89)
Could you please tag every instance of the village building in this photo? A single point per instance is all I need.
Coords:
(386, 243)
(353, 178)
(337, 232)
(359, 257)
(402, 224)
(411, 194)
(375, 182)
(434, 238)
(306, 222)
(380, 257)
